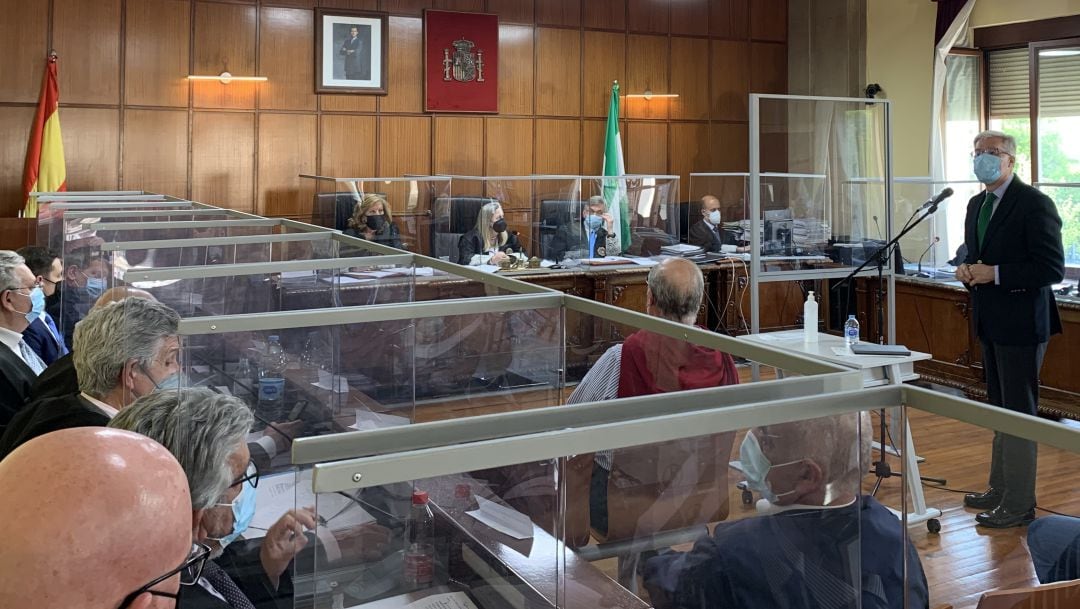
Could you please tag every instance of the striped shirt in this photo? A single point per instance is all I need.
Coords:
(600, 383)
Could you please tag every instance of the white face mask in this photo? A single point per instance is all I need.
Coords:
(714, 217)
(756, 466)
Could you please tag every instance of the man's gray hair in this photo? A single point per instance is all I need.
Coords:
(840, 445)
(109, 336)
(202, 429)
(676, 291)
(596, 200)
(1008, 142)
(9, 261)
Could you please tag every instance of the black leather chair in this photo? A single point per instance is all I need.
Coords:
(689, 213)
(452, 217)
(553, 214)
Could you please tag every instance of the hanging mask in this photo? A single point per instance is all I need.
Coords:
(593, 222)
(499, 226)
(37, 305)
(375, 223)
(714, 217)
(243, 508)
(756, 466)
(987, 168)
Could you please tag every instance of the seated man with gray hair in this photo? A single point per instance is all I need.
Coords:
(820, 543)
(586, 238)
(125, 350)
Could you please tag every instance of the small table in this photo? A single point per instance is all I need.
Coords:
(877, 370)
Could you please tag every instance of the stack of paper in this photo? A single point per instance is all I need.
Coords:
(681, 249)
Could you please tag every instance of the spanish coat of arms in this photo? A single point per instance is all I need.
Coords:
(466, 65)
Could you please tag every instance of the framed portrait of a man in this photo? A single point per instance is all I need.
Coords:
(350, 51)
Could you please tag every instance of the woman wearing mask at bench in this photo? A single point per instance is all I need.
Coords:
(371, 220)
(488, 242)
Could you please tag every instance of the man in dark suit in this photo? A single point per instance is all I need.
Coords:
(356, 62)
(709, 234)
(42, 335)
(21, 300)
(1014, 255)
(584, 239)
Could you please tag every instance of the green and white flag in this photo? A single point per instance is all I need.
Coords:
(615, 167)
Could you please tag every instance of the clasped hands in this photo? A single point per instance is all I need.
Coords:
(286, 537)
(975, 274)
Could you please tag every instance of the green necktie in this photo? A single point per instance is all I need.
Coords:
(985, 212)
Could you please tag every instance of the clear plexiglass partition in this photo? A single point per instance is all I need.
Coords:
(609, 505)
(52, 230)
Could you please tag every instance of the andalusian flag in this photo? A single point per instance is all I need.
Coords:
(614, 166)
(44, 171)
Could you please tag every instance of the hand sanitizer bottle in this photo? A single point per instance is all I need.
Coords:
(810, 328)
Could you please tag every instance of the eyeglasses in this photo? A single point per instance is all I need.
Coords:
(251, 474)
(29, 288)
(993, 151)
(190, 571)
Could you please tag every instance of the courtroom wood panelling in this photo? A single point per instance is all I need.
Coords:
(558, 72)
(560, 12)
(592, 145)
(511, 11)
(768, 67)
(647, 147)
(348, 103)
(406, 67)
(156, 45)
(286, 58)
(223, 159)
(690, 17)
(24, 32)
(91, 148)
(646, 68)
(730, 147)
(768, 20)
(86, 35)
(224, 42)
(15, 125)
(509, 147)
(406, 7)
(605, 14)
(605, 61)
(558, 146)
(460, 5)
(729, 18)
(356, 5)
(648, 16)
(404, 145)
(515, 69)
(286, 149)
(691, 151)
(730, 79)
(347, 146)
(690, 77)
(156, 151)
(459, 145)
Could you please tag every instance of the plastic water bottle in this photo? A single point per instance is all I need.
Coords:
(851, 331)
(310, 360)
(272, 379)
(244, 382)
(419, 543)
(810, 333)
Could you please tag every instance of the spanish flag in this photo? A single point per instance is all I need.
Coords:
(44, 171)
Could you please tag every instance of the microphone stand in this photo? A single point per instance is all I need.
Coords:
(882, 469)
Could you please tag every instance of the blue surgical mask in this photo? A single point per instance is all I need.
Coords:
(987, 168)
(95, 286)
(593, 222)
(714, 217)
(755, 466)
(37, 305)
(243, 509)
(169, 383)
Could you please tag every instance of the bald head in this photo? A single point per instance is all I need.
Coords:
(119, 293)
(89, 516)
(676, 287)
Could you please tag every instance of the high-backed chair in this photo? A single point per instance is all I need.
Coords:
(452, 217)
(689, 214)
(333, 209)
(553, 214)
(1061, 595)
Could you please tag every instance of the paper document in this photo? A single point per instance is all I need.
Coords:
(332, 382)
(488, 268)
(842, 351)
(344, 280)
(280, 493)
(644, 261)
(296, 274)
(776, 337)
(450, 600)
(366, 420)
(605, 260)
(503, 519)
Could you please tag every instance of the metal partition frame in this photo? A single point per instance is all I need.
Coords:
(757, 276)
(254, 268)
(171, 224)
(202, 210)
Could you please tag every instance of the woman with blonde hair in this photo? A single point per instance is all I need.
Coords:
(372, 220)
(488, 242)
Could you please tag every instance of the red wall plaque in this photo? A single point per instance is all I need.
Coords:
(461, 62)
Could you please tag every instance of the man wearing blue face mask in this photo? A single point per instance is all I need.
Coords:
(584, 239)
(21, 302)
(85, 279)
(43, 335)
(817, 542)
(1014, 256)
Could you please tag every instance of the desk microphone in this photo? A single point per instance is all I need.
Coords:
(932, 244)
(941, 196)
(879, 233)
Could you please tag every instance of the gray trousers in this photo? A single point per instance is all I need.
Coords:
(1012, 382)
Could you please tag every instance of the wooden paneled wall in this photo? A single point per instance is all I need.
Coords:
(131, 120)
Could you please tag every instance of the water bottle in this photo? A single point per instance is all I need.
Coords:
(272, 379)
(810, 333)
(419, 543)
(851, 331)
(310, 360)
(244, 382)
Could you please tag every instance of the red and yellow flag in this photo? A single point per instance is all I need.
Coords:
(44, 171)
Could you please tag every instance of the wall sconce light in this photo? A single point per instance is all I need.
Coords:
(226, 78)
(648, 94)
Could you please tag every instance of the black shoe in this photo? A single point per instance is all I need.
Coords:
(1002, 518)
(987, 500)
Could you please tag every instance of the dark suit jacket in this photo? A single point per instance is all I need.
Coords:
(388, 235)
(573, 236)
(42, 341)
(703, 236)
(241, 562)
(48, 415)
(1024, 241)
(58, 379)
(469, 245)
(16, 378)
